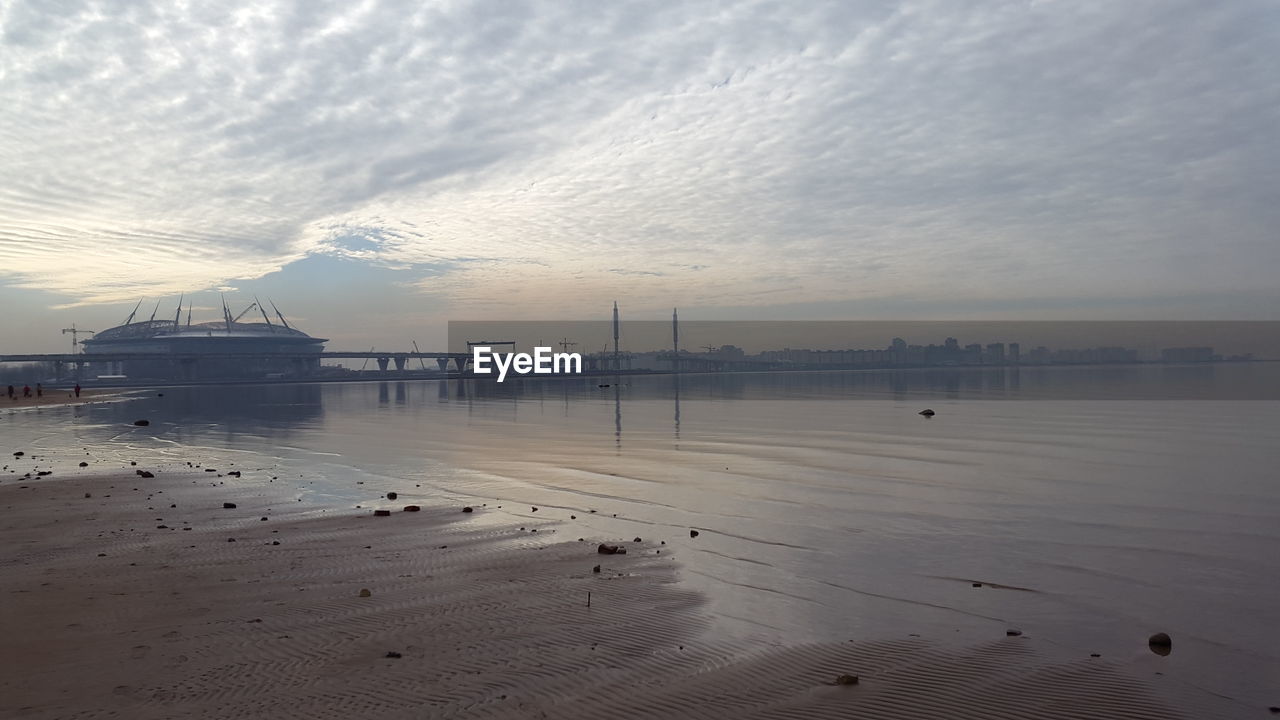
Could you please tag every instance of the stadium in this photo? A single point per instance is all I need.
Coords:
(227, 349)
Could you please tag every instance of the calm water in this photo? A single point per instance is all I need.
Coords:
(1104, 503)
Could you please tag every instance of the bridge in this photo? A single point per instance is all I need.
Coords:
(190, 360)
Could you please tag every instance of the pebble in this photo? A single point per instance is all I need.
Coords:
(364, 592)
(1160, 644)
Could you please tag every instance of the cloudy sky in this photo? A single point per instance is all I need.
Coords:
(379, 167)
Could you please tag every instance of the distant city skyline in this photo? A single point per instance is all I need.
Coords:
(382, 168)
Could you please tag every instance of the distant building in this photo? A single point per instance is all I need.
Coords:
(169, 350)
(994, 354)
(1015, 354)
(1187, 355)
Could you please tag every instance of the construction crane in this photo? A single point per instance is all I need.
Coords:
(75, 340)
(710, 348)
(565, 344)
(244, 312)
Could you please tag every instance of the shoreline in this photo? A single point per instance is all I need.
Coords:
(58, 397)
(488, 620)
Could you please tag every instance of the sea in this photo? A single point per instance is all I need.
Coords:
(1085, 507)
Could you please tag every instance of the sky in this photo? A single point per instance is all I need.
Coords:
(381, 168)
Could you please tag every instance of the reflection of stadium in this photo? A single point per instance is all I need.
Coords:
(172, 350)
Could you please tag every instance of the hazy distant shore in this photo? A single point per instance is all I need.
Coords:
(604, 375)
(150, 599)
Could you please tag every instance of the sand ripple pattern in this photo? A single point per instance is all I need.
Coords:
(489, 622)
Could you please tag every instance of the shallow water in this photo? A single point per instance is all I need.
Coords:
(1095, 505)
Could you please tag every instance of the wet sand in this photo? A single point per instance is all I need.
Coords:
(54, 397)
(118, 604)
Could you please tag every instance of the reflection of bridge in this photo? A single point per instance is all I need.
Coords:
(189, 362)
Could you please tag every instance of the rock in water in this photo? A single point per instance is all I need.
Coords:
(228, 506)
(927, 412)
(847, 680)
(468, 509)
(1160, 643)
(382, 513)
(411, 508)
(393, 654)
(84, 464)
(392, 496)
(608, 549)
(142, 423)
(1013, 633)
(693, 533)
(364, 592)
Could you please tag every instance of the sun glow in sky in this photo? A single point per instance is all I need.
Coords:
(378, 167)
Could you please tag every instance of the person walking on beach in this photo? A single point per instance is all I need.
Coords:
(26, 391)
(39, 390)
(77, 389)
(10, 392)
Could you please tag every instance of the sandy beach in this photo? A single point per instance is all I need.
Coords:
(135, 597)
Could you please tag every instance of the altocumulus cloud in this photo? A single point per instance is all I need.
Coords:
(726, 153)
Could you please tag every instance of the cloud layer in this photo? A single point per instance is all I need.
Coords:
(535, 157)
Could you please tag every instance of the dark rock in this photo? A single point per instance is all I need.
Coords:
(233, 473)
(637, 540)
(87, 495)
(392, 496)
(231, 539)
(693, 533)
(162, 527)
(846, 680)
(977, 584)
(262, 519)
(142, 423)
(275, 542)
(411, 508)
(393, 654)
(382, 513)
(146, 474)
(608, 549)
(84, 464)
(535, 509)
(595, 569)
(19, 454)
(1095, 654)
(1160, 644)
(228, 506)
(211, 469)
(1013, 633)
(468, 509)
(133, 462)
(928, 413)
(573, 517)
